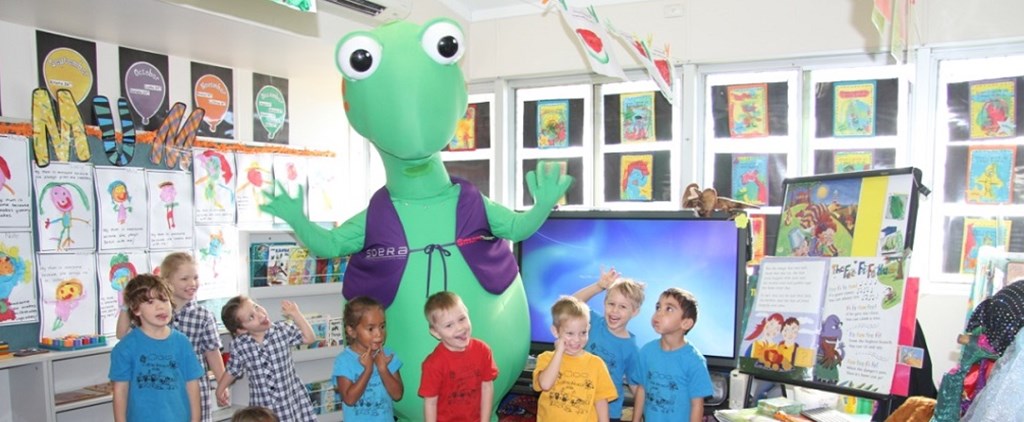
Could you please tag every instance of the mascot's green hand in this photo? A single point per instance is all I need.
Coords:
(320, 241)
(547, 185)
(283, 206)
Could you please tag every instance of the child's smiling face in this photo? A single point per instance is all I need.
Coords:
(453, 327)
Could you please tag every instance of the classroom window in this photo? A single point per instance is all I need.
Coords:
(470, 154)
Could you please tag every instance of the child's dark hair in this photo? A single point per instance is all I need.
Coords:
(254, 414)
(354, 310)
(228, 314)
(142, 288)
(687, 302)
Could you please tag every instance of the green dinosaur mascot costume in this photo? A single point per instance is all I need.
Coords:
(425, 232)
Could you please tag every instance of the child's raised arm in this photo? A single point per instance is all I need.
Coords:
(124, 323)
(290, 309)
(603, 282)
(120, 401)
(547, 377)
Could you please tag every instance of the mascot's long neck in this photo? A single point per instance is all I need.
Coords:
(416, 179)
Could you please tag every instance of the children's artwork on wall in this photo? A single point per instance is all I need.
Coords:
(748, 110)
(980, 232)
(144, 78)
(326, 188)
(465, 131)
(212, 90)
(849, 161)
(170, 209)
(820, 219)
(65, 201)
(18, 304)
(552, 124)
(757, 235)
(993, 109)
(68, 63)
(122, 203)
(750, 178)
(214, 175)
(290, 171)
(636, 117)
(217, 261)
(270, 110)
(67, 289)
(15, 183)
(114, 270)
(855, 104)
(636, 177)
(990, 174)
(255, 174)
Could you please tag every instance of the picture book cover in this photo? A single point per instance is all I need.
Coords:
(336, 331)
(259, 263)
(300, 267)
(993, 108)
(990, 174)
(850, 161)
(757, 234)
(465, 131)
(835, 321)
(636, 177)
(854, 108)
(552, 124)
(748, 110)
(636, 117)
(750, 178)
(980, 232)
(277, 263)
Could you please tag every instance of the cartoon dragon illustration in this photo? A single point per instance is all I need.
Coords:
(830, 351)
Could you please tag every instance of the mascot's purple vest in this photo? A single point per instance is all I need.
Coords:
(377, 270)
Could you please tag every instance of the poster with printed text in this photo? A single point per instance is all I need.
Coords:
(18, 303)
(990, 174)
(68, 294)
(270, 109)
(750, 178)
(170, 209)
(214, 173)
(144, 77)
(66, 203)
(15, 183)
(290, 171)
(636, 177)
(326, 188)
(993, 109)
(748, 110)
(980, 232)
(854, 113)
(255, 174)
(217, 261)
(552, 124)
(850, 161)
(122, 203)
(465, 131)
(636, 117)
(213, 91)
(114, 270)
(68, 63)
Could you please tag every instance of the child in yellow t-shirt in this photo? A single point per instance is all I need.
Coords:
(574, 384)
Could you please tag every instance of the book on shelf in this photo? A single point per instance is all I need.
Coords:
(318, 322)
(336, 331)
(287, 263)
(323, 396)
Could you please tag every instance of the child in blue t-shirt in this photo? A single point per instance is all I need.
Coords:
(609, 338)
(366, 372)
(153, 368)
(673, 375)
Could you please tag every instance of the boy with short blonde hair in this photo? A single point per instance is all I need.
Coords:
(574, 384)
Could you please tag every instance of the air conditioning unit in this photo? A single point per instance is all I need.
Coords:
(379, 10)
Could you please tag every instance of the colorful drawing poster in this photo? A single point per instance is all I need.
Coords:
(170, 209)
(123, 208)
(68, 63)
(15, 183)
(270, 109)
(115, 269)
(326, 189)
(290, 171)
(850, 161)
(757, 235)
(636, 117)
(465, 131)
(68, 294)
(552, 124)
(748, 110)
(66, 203)
(212, 91)
(217, 261)
(750, 178)
(854, 113)
(993, 109)
(656, 62)
(18, 304)
(156, 257)
(214, 175)
(990, 174)
(592, 38)
(255, 174)
(144, 77)
(981, 232)
(636, 175)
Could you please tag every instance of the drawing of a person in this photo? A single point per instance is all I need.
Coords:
(217, 168)
(254, 180)
(62, 200)
(12, 271)
(764, 333)
(798, 244)
(121, 200)
(823, 243)
(790, 331)
(121, 270)
(214, 249)
(989, 180)
(167, 194)
(5, 175)
(70, 293)
(637, 174)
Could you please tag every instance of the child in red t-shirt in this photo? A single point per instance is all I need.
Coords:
(457, 382)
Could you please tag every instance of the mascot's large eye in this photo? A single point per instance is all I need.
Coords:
(443, 42)
(358, 57)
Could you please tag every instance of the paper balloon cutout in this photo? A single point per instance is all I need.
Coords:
(146, 88)
(64, 68)
(211, 94)
(271, 109)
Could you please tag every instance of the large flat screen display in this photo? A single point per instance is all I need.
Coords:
(661, 249)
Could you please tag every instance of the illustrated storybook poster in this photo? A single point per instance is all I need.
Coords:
(854, 113)
(979, 232)
(748, 110)
(214, 173)
(67, 289)
(636, 177)
(750, 178)
(170, 209)
(18, 304)
(216, 260)
(636, 117)
(993, 109)
(853, 214)
(465, 131)
(326, 189)
(851, 161)
(115, 269)
(255, 174)
(552, 124)
(123, 204)
(290, 171)
(836, 321)
(65, 201)
(990, 174)
(15, 183)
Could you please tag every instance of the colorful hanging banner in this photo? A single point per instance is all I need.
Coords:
(592, 37)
